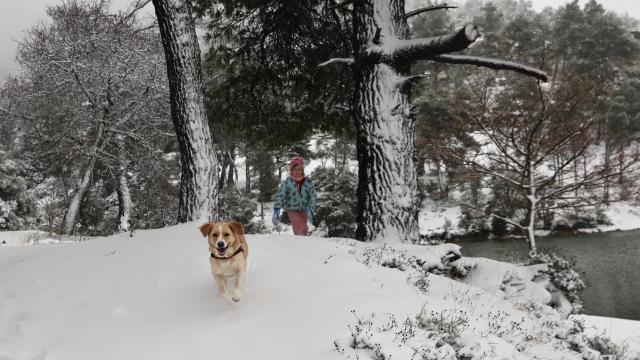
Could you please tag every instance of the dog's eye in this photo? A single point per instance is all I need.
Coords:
(226, 234)
(215, 234)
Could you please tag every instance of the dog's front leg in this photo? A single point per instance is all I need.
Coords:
(222, 287)
(237, 290)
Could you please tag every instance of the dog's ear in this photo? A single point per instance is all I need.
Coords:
(236, 227)
(206, 229)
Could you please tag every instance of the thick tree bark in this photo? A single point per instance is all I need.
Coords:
(198, 190)
(387, 182)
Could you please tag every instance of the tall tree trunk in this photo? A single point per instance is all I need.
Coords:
(621, 164)
(232, 166)
(607, 166)
(84, 184)
(247, 175)
(125, 204)
(198, 190)
(387, 184)
(223, 172)
(530, 226)
(532, 202)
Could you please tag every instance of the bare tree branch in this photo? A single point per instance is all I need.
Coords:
(429, 8)
(136, 7)
(492, 64)
(492, 214)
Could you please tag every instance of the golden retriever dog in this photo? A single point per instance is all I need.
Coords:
(228, 258)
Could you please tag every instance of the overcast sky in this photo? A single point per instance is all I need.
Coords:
(16, 16)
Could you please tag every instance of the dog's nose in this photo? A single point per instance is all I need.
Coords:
(220, 244)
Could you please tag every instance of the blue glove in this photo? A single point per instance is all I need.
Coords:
(310, 216)
(276, 216)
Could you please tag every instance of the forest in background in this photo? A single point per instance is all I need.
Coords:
(93, 127)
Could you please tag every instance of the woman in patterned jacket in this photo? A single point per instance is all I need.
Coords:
(297, 195)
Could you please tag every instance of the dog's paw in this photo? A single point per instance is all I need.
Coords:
(227, 298)
(236, 295)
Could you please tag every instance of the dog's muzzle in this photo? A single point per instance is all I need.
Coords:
(220, 248)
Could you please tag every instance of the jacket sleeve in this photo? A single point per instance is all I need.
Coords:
(280, 195)
(313, 198)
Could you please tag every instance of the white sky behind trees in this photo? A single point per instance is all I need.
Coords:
(17, 16)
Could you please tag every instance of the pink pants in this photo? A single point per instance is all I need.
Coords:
(298, 222)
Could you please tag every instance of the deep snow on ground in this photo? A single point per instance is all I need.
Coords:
(151, 296)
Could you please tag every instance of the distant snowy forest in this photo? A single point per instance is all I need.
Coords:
(88, 147)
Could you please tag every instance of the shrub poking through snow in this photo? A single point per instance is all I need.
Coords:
(384, 337)
(448, 323)
(436, 259)
(607, 348)
(387, 256)
(562, 276)
(598, 347)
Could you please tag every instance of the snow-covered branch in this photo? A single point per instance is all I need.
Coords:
(408, 51)
(340, 4)
(337, 60)
(429, 8)
(411, 79)
(492, 64)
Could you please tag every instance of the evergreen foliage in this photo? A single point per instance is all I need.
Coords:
(336, 211)
(235, 206)
(262, 78)
(17, 207)
(562, 274)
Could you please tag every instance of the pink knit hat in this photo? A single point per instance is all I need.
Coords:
(297, 161)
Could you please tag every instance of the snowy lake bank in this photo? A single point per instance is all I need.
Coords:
(607, 261)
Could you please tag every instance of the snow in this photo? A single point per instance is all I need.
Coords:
(622, 216)
(29, 237)
(436, 219)
(151, 296)
(622, 331)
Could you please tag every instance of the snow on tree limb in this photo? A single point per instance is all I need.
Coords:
(429, 8)
(339, 60)
(492, 64)
(411, 79)
(340, 4)
(408, 51)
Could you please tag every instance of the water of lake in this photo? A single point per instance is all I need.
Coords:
(609, 264)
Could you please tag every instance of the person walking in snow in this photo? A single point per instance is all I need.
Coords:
(297, 195)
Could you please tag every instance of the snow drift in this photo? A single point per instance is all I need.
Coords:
(151, 296)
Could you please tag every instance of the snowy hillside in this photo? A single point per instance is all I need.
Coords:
(152, 297)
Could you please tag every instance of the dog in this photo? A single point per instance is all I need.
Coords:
(229, 251)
